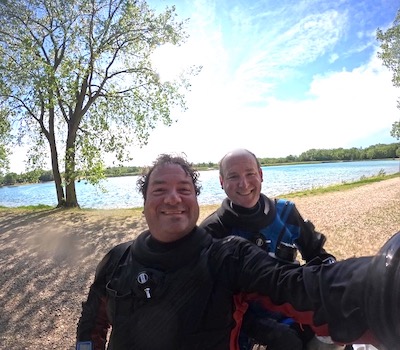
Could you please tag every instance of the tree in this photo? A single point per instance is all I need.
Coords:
(395, 130)
(76, 75)
(10, 179)
(4, 162)
(390, 55)
(4, 131)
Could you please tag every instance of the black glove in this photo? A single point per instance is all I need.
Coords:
(284, 339)
(269, 332)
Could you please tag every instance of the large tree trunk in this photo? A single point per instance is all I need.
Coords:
(56, 174)
(71, 200)
(54, 157)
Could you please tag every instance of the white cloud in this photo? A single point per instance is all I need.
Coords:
(309, 38)
(342, 107)
(333, 57)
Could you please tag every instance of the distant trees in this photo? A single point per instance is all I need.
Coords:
(33, 176)
(379, 151)
(10, 179)
(46, 176)
(76, 78)
(390, 56)
(122, 171)
(206, 165)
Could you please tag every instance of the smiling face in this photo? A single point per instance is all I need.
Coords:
(171, 208)
(241, 178)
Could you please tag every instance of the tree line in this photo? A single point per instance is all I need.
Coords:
(378, 151)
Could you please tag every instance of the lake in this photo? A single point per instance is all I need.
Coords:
(121, 191)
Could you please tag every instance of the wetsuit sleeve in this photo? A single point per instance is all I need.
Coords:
(328, 297)
(93, 324)
(310, 242)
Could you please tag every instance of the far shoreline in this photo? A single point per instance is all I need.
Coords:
(215, 167)
(292, 195)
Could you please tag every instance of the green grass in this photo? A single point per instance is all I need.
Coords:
(31, 207)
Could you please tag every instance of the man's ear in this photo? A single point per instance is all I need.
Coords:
(221, 182)
(261, 174)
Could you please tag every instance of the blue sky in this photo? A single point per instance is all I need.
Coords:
(278, 78)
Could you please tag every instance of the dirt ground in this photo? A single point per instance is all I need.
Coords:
(48, 257)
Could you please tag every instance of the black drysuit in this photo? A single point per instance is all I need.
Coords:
(181, 295)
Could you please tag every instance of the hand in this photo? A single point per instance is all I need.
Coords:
(285, 340)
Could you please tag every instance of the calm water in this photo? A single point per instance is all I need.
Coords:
(121, 191)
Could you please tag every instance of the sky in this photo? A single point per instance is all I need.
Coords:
(278, 78)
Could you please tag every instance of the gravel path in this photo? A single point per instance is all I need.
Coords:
(48, 257)
(357, 221)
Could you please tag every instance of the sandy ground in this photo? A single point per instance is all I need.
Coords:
(48, 257)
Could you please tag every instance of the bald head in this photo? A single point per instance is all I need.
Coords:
(241, 176)
(236, 154)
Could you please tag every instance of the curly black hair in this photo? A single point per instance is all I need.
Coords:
(143, 181)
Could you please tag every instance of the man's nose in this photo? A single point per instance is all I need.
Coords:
(172, 197)
(243, 181)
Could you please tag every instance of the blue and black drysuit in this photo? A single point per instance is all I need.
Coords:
(277, 227)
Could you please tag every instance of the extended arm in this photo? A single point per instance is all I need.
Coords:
(356, 300)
